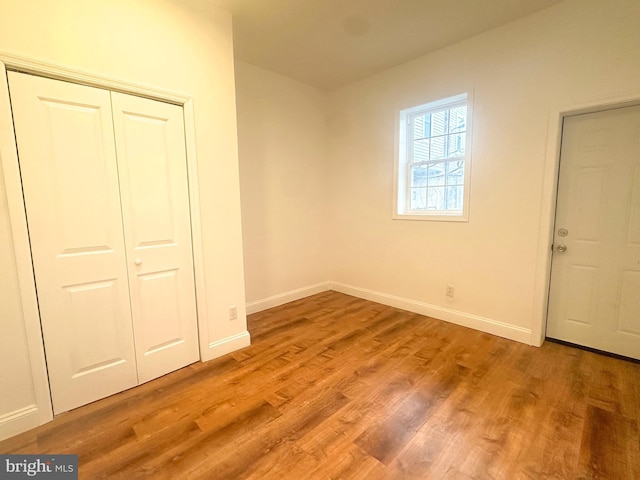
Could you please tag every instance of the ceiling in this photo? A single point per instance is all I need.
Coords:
(329, 43)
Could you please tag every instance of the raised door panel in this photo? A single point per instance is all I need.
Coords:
(69, 174)
(155, 198)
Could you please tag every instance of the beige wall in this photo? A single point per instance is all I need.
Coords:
(581, 51)
(283, 179)
(181, 46)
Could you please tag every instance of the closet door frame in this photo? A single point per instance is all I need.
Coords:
(42, 411)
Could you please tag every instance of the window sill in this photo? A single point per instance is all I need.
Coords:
(440, 217)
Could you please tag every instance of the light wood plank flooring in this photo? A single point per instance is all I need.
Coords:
(335, 387)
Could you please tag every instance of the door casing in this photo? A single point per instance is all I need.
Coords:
(549, 198)
(609, 161)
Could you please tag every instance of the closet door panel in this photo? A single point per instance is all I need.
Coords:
(69, 173)
(154, 191)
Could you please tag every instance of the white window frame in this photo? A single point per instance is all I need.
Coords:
(402, 180)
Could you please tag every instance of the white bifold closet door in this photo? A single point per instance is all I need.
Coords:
(106, 199)
(153, 187)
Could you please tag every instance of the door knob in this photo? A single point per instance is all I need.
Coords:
(138, 261)
(561, 248)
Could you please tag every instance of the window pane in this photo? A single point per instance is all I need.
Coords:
(418, 198)
(420, 151)
(436, 174)
(439, 123)
(455, 173)
(421, 126)
(438, 148)
(458, 119)
(419, 176)
(457, 145)
(435, 198)
(454, 198)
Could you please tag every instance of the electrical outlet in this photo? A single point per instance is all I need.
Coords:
(451, 290)
(233, 312)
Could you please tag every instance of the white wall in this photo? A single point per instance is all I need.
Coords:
(581, 51)
(181, 46)
(283, 179)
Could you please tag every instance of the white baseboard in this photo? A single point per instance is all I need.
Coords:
(286, 297)
(226, 345)
(487, 325)
(19, 421)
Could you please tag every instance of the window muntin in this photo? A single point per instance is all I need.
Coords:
(433, 160)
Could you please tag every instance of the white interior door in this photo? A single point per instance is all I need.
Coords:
(595, 281)
(155, 199)
(70, 181)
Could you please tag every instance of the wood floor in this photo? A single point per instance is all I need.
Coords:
(335, 387)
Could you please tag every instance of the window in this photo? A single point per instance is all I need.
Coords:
(433, 161)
